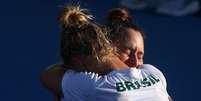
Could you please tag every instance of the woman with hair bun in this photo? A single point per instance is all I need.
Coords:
(106, 77)
(128, 39)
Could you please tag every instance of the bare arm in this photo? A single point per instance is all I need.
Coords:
(51, 79)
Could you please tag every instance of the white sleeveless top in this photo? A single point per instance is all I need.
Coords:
(146, 83)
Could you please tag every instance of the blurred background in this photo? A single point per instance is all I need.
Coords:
(30, 42)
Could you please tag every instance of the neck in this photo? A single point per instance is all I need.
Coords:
(78, 63)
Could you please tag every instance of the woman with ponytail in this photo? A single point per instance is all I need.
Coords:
(85, 48)
(83, 41)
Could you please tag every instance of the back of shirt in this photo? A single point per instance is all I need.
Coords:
(144, 84)
(78, 86)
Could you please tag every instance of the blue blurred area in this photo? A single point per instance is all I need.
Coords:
(30, 42)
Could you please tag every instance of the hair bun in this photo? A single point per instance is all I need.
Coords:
(119, 14)
(74, 15)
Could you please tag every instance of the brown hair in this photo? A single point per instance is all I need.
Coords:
(118, 20)
(80, 35)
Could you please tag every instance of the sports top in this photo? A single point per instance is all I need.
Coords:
(145, 83)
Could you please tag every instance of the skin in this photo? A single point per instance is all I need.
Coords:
(130, 50)
(52, 77)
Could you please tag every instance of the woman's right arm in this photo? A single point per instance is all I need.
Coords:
(51, 79)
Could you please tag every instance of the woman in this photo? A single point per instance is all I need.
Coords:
(130, 45)
(129, 41)
(126, 37)
(84, 47)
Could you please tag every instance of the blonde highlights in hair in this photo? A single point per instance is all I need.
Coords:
(74, 15)
(81, 35)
